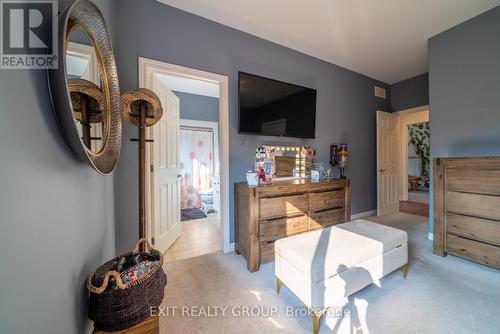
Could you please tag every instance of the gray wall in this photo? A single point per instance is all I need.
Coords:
(345, 106)
(49, 241)
(410, 93)
(198, 107)
(464, 79)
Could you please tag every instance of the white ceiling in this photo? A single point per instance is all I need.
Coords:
(383, 39)
(192, 86)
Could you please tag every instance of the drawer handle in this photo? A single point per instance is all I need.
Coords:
(281, 196)
(295, 215)
(330, 209)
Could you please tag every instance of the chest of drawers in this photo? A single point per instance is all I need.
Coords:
(264, 214)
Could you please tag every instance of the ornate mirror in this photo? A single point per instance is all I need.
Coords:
(84, 88)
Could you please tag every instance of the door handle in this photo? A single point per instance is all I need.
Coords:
(381, 170)
(179, 175)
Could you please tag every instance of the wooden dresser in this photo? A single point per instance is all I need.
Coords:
(266, 213)
(467, 209)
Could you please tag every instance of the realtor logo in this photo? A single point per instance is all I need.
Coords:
(29, 34)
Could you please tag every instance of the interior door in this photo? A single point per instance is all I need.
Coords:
(164, 158)
(388, 169)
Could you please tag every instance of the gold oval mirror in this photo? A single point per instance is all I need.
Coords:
(84, 88)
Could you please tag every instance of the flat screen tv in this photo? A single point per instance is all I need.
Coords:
(274, 108)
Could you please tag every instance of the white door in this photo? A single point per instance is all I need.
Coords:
(165, 201)
(388, 169)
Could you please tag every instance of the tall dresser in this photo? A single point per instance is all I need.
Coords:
(467, 208)
(266, 213)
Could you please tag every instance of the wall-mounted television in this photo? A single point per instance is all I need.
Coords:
(275, 108)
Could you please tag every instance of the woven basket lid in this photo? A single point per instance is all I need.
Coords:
(131, 102)
(96, 103)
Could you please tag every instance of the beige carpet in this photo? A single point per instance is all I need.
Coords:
(441, 295)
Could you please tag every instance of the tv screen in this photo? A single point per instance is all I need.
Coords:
(274, 108)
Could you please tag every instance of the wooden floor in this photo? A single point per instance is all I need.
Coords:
(418, 196)
(198, 237)
(414, 208)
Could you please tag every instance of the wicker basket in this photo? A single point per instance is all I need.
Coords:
(114, 308)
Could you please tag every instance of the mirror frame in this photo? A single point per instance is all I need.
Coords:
(84, 14)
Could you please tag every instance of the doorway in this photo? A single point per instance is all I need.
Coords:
(415, 161)
(188, 213)
(199, 186)
(418, 162)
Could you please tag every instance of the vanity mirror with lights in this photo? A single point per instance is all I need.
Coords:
(288, 161)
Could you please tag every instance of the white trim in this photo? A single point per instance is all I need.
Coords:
(363, 214)
(430, 236)
(149, 67)
(200, 124)
(412, 110)
(190, 86)
(232, 247)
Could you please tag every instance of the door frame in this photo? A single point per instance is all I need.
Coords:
(86, 52)
(407, 117)
(149, 67)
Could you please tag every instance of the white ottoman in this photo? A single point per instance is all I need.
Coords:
(323, 267)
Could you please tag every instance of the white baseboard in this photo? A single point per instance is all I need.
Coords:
(232, 248)
(363, 214)
(430, 236)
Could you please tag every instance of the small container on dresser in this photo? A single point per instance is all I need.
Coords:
(266, 213)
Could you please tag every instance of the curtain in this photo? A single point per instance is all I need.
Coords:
(419, 138)
(419, 147)
(414, 162)
(197, 165)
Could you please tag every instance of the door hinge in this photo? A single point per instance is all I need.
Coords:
(152, 168)
(153, 240)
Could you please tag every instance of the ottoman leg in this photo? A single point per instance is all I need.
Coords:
(404, 269)
(279, 283)
(316, 318)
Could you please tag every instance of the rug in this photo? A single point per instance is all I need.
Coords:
(190, 214)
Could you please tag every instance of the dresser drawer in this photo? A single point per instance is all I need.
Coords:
(267, 251)
(325, 218)
(478, 205)
(473, 228)
(275, 207)
(326, 200)
(473, 250)
(281, 227)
